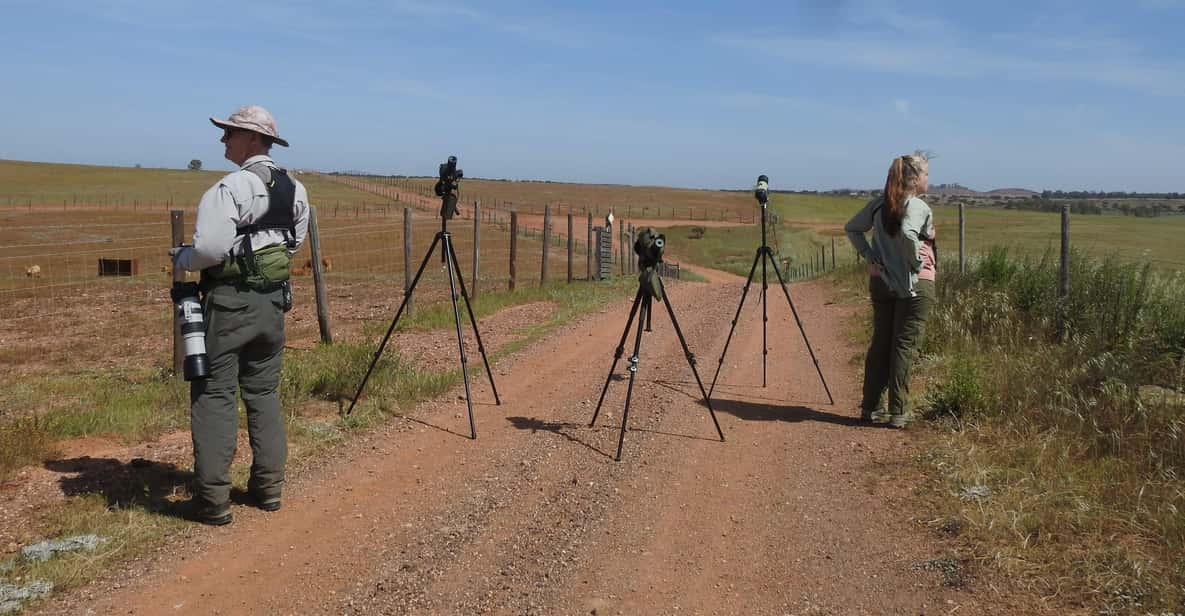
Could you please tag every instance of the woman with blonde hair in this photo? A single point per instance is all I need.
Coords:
(902, 263)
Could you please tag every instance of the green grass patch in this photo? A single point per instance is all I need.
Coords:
(733, 249)
(1024, 233)
(132, 405)
(1051, 462)
(125, 533)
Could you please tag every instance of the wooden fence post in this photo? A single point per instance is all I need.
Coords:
(833, 254)
(632, 257)
(571, 245)
(962, 240)
(546, 242)
(476, 247)
(588, 249)
(319, 278)
(407, 256)
(624, 234)
(177, 224)
(513, 247)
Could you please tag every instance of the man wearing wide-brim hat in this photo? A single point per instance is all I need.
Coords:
(249, 225)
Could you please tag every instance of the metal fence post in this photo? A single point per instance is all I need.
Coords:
(962, 240)
(407, 256)
(177, 224)
(546, 242)
(513, 247)
(1063, 286)
(476, 248)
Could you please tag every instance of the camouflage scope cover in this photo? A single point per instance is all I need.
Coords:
(649, 247)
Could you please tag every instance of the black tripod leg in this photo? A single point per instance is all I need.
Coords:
(402, 306)
(473, 321)
(452, 286)
(764, 315)
(629, 392)
(801, 330)
(735, 318)
(691, 362)
(617, 354)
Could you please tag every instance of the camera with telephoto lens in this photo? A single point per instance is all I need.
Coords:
(762, 190)
(193, 329)
(446, 187)
(649, 247)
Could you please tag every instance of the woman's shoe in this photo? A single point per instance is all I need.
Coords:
(877, 416)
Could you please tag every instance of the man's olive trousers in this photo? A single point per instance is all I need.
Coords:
(244, 340)
(898, 326)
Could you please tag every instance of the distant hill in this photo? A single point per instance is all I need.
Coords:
(958, 190)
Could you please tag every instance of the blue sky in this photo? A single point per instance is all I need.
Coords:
(816, 94)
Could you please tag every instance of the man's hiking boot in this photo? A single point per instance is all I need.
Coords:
(199, 510)
(900, 420)
(267, 503)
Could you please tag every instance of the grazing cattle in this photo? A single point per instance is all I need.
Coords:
(307, 268)
(33, 271)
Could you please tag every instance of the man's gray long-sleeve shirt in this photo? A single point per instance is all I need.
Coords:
(237, 200)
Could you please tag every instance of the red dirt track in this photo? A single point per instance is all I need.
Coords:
(791, 515)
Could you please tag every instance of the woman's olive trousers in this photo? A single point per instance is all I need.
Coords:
(898, 326)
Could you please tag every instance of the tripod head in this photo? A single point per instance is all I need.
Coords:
(447, 187)
(761, 192)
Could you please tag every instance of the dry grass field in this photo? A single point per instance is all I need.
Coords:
(627, 202)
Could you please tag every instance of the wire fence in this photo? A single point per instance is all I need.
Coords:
(94, 284)
(419, 191)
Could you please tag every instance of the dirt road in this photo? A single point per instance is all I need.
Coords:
(790, 515)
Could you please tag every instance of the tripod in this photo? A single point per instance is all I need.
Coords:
(764, 252)
(449, 256)
(649, 286)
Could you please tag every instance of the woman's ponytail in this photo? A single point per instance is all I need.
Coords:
(903, 174)
(894, 210)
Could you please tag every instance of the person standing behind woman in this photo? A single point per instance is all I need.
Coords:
(902, 262)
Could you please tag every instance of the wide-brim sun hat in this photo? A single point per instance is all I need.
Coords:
(255, 119)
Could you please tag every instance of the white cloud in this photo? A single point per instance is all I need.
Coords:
(1162, 4)
(955, 60)
(902, 106)
(885, 15)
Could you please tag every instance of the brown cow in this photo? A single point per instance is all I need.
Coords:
(307, 268)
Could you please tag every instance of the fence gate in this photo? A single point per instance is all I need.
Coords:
(604, 253)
